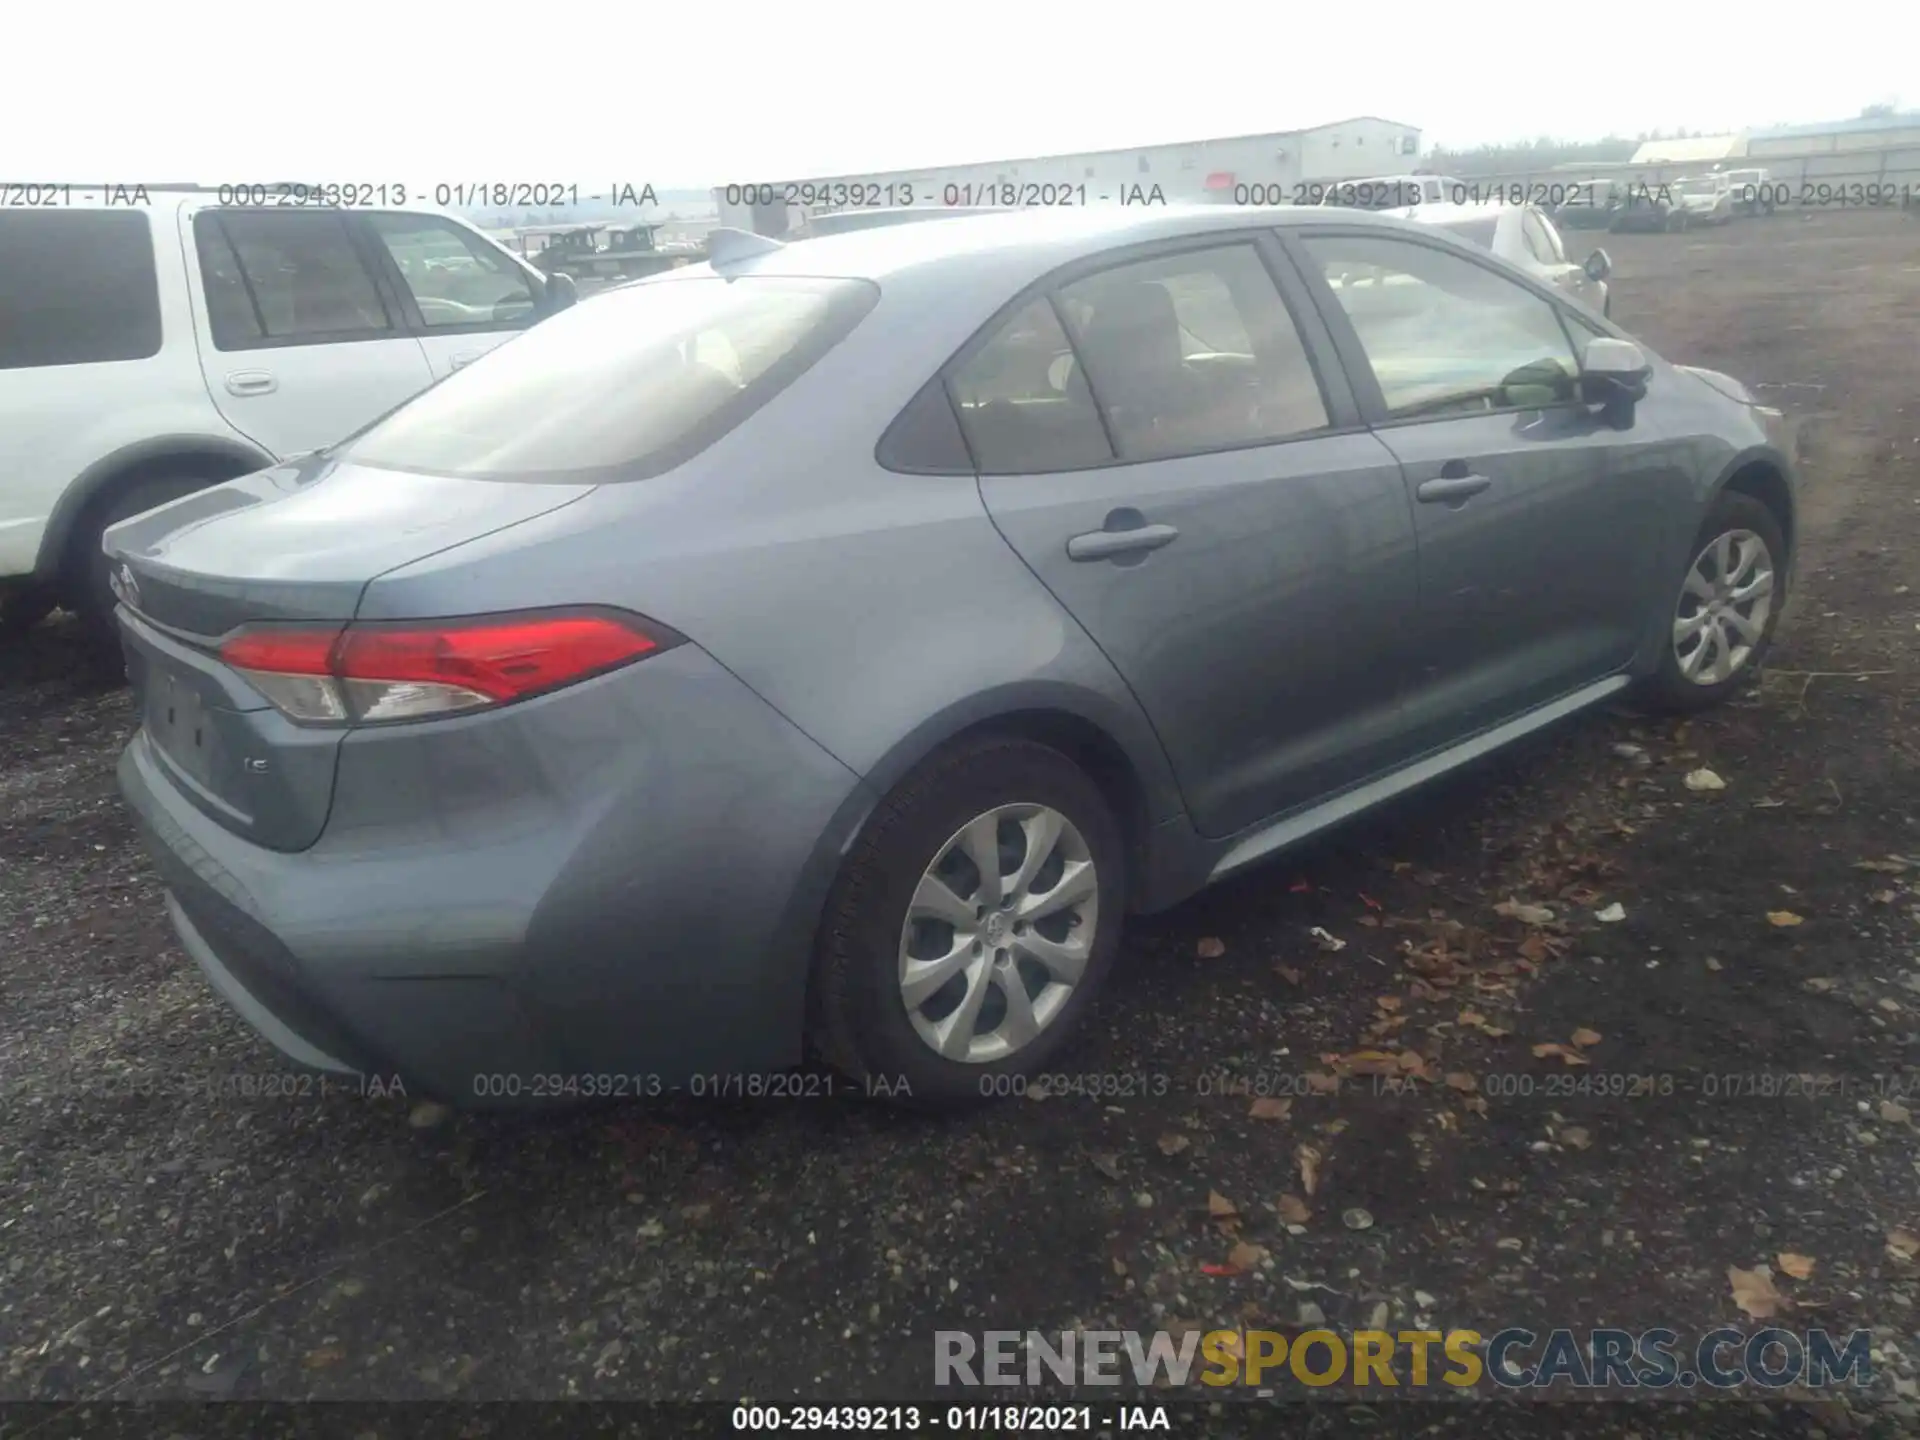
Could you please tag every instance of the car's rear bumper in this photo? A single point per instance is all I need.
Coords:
(604, 891)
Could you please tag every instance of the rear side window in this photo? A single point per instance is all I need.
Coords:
(1024, 403)
(77, 287)
(623, 386)
(286, 278)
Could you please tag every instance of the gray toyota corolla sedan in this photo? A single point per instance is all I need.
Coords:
(835, 642)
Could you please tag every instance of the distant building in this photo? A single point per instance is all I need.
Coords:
(1698, 150)
(1867, 132)
(1200, 170)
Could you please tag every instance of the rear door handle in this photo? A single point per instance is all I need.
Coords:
(1451, 488)
(460, 360)
(251, 382)
(1105, 544)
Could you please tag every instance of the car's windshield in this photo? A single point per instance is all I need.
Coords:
(624, 386)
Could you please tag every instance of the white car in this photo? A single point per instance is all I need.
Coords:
(1704, 200)
(154, 342)
(1525, 236)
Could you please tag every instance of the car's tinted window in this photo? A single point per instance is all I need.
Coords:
(1194, 351)
(281, 277)
(622, 386)
(455, 280)
(925, 437)
(76, 288)
(1442, 333)
(1024, 404)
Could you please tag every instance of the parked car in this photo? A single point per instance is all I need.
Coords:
(1752, 191)
(1640, 205)
(1525, 236)
(151, 349)
(1588, 204)
(1703, 200)
(1393, 192)
(840, 639)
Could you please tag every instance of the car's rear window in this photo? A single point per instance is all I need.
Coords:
(623, 386)
(1475, 232)
(77, 287)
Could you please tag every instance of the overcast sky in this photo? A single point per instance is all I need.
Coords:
(702, 93)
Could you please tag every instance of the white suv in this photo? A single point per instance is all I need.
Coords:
(152, 348)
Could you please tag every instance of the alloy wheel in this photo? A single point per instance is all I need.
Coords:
(1724, 607)
(998, 932)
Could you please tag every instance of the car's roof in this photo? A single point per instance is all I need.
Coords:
(1044, 236)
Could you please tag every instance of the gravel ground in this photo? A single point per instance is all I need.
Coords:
(167, 1231)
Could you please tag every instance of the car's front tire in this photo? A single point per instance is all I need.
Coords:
(1726, 607)
(971, 927)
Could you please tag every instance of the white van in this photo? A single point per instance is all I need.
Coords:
(157, 341)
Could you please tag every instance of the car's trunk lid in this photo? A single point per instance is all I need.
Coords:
(296, 543)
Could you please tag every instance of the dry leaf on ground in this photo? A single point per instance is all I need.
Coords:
(1172, 1143)
(1529, 914)
(1584, 1037)
(1798, 1266)
(1704, 779)
(1903, 1244)
(1219, 1206)
(1782, 918)
(1570, 1056)
(1269, 1107)
(1293, 1210)
(1309, 1160)
(1246, 1255)
(1210, 947)
(1753, 1292)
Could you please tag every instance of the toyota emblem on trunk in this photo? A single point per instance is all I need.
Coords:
(126, 587)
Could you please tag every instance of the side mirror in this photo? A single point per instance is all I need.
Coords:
(1614, 373)
(558, 293)
(1597, 265)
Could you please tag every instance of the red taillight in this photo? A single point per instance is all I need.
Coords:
(413, 670)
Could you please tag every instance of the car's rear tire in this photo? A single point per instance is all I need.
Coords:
(921, 953)
(1717, 640)
(88, 577)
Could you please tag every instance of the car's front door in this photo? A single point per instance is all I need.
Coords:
(466, 296)
(1536, 519)
(299, 345)
(1153, 439)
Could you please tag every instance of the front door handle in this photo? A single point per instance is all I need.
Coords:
(1106, 544)
(251, 382)
(1451, 488)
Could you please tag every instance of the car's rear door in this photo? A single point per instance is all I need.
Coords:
(1199, 496)
(300, 343)
(459, 294)
(1535, 518)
